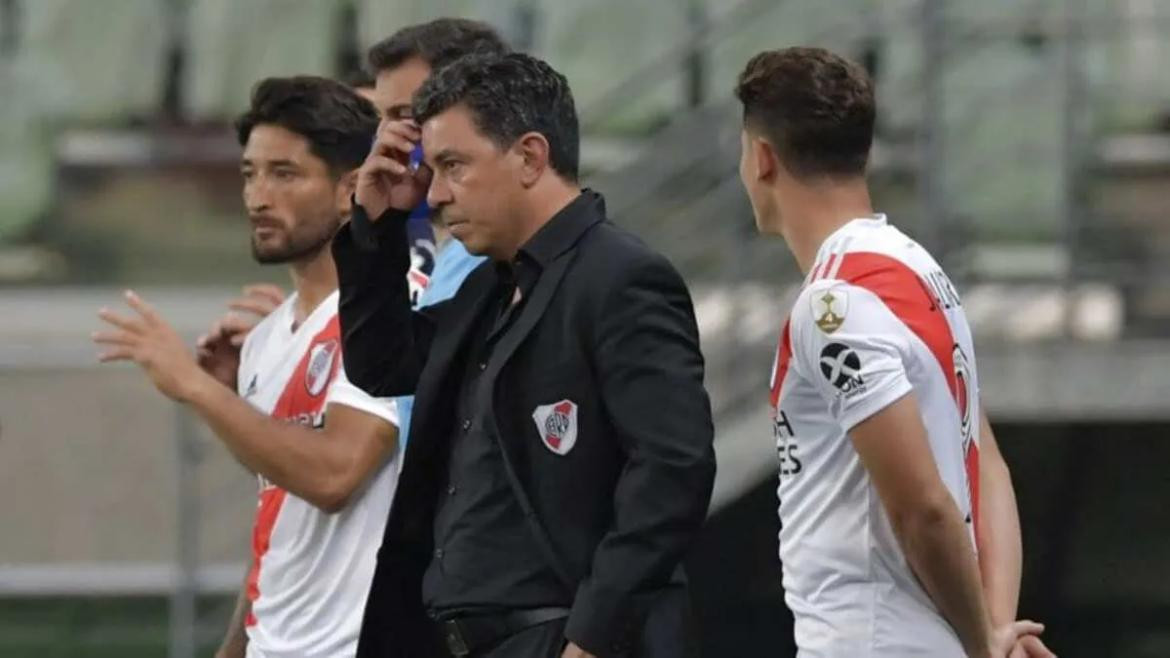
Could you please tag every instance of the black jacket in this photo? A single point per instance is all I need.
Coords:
(608, 325)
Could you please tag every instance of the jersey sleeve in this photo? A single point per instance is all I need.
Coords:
(853, 349)
(342, 391)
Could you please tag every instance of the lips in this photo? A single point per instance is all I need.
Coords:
(260, 223)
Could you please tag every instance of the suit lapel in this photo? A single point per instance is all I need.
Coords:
(530, 314)
(554, 246)
(441, 362)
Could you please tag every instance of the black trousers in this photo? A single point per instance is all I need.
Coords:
(545, 640)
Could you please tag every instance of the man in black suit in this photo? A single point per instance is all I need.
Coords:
(560, 460)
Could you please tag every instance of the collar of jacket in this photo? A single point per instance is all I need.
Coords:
(565, 228)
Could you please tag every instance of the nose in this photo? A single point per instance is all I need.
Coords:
(439, 193)
(256, 196)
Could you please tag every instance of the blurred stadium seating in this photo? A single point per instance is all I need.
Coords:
(1027, 142)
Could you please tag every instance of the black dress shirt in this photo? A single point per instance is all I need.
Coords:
(486, 557)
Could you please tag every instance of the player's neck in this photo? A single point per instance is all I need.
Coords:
(314, 279)
(810, 213)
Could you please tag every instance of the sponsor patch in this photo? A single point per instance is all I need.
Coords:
(842, 368)
(829, 309)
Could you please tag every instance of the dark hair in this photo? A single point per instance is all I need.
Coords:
(816, 108)
(509, 96)
(358, 79)
(438, 43)
(338, 124)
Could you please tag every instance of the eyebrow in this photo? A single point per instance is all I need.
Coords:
(445, 154)
(245, 162)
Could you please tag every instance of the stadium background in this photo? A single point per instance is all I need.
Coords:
(1026, 142)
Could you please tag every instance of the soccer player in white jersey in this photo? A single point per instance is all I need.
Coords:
(324, 451)
(899, 534)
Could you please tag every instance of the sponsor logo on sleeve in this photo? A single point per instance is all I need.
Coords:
(841, 367)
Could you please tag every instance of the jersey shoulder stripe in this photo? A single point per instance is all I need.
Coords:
(830, 262)
(904, 292)
(783, 358)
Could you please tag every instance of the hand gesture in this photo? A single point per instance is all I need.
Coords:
(148, 340)
(218, 350)
(386, 179)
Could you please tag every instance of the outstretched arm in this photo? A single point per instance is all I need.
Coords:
(323, 467)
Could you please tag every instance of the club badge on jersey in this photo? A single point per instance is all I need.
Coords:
(322, 357)
(319, 365)
(557, 425)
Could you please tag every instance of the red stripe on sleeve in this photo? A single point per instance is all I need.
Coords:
(827, 267)
(783, 357)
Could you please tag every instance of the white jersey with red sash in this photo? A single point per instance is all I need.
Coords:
(876, 320)
(311, 570)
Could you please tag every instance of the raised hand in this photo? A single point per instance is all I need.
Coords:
(386, 179)
(149, 341)
(218, 350)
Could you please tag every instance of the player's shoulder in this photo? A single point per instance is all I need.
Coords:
(865, 249)
(872, 256)
(847, 309)
(824, 305)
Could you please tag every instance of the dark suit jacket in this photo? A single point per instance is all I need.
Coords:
(609, 325)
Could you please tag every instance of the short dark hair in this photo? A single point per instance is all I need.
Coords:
(438, 43)
(508, 96)
(338, 124)
(358, 79)
(816, 108)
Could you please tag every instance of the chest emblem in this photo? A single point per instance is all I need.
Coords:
(320, 369)
(557, 425)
